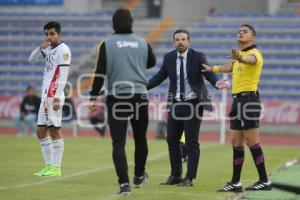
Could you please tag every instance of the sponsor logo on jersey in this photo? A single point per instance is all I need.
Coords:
(129, 44)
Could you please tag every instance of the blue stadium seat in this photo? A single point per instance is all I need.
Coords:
(79, 28)
(281, 59)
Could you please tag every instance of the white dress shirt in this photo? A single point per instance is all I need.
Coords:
(189, 94)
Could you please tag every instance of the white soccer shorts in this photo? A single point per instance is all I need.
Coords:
(47, 116)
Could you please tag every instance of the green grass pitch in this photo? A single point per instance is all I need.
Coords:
(88, 172)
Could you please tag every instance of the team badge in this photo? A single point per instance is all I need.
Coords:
(66, 56)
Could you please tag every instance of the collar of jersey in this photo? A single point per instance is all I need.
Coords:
(56, 45)
(249, 48)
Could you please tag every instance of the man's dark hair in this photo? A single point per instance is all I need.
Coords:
(181, 31)
(29, 87)
(122, 21)
(53, 24)
(250, 27)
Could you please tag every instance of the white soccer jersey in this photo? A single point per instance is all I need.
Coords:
(57, 60)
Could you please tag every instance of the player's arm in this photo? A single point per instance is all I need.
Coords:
(65, 60)
(100, 71)
(39, 52)
(151, 60)
(158, 78)
(249, 59)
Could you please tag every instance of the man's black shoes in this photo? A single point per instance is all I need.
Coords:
(124, 189)
(138, 181)
(186, 182)
(172, 180)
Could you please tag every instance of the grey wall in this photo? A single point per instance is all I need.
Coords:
(197, 9)
(69, 6)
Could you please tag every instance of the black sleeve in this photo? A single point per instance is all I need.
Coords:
(210, 76)
(37, 104)
(100, 70)
(159, 77)
(22, 107)
(151, 61)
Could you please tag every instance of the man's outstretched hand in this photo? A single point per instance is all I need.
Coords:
(223, 84)
(206, 68)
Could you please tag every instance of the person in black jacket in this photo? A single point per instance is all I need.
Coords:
(123, 59)
(187, 98)
(28, 112)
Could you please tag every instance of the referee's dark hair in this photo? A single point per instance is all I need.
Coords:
(250, 27)
(181, 31)
(122, 21)
(53, 24)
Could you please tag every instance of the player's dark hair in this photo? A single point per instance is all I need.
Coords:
(250, 27)
(53, 24)
(122, 21)
(181, 31)
(29, 87)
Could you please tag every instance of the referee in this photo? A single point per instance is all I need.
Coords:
(123, 58)
(246, 67)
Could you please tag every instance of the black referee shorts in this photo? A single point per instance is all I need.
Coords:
(245, 111)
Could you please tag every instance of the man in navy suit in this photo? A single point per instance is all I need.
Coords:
(187, 98)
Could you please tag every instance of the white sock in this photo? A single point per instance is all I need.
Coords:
(47, 150)
(58, 149)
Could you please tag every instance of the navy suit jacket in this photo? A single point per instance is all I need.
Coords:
(195, 77)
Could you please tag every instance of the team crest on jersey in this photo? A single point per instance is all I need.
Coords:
(66, 56)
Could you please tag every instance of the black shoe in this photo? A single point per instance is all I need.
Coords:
(138, 181)
(186, 182)
(259, 185)
(172, 180)
(124, 189)
(231, 187)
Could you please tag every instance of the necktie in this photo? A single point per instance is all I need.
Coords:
(182, 89)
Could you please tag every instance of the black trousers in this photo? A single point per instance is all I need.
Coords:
(95, 121)
(120, 111)
(184, 116)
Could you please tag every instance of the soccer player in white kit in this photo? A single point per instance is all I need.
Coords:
(57, 56)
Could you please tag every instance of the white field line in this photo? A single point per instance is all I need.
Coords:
(152, 158)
